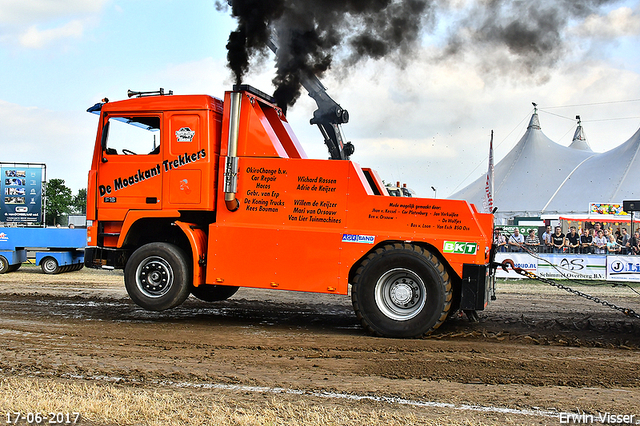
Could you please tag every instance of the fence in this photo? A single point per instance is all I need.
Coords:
(574, 266)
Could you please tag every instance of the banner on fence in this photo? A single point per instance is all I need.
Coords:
(623, 268)
(520, 260)
(574, 266)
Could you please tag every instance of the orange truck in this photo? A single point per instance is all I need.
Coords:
(190, 194)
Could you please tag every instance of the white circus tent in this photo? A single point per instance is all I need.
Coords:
(540, 177)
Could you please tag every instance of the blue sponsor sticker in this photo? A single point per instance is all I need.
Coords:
(355, 238)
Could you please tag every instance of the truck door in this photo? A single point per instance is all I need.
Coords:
(130, 169)
(187, 183)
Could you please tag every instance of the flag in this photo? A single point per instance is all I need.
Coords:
(487, 201)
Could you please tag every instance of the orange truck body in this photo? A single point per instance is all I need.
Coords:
(298, 223)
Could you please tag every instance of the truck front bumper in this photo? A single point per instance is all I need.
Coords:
(105, 258)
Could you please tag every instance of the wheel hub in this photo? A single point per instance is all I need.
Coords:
(154, 277)
(403, 293)
(400, 294)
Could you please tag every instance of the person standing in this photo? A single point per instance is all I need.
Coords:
(596, 228)
(546, 240)
(586, 241)
(634, 244)
(499, 241)
(558, 240)
(624, 243)
(612, 245)
(532, 241)
(600, 243)
(573, 240)
(516, 241)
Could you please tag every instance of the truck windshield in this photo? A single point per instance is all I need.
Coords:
(131, 135)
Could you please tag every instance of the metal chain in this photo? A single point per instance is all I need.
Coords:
(626, 311)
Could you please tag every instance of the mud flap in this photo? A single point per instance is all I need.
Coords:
(476, 288)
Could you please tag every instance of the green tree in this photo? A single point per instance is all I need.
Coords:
(79, 202)
(59, 198)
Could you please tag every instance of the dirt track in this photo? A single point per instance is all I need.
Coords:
(536, 349)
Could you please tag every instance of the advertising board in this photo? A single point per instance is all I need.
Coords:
(20, 194)
(623, 268)
(520, 260)
(575, 266)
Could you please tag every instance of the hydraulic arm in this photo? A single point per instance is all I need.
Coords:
(329, 116)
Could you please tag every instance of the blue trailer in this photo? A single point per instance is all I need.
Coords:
(57, 249)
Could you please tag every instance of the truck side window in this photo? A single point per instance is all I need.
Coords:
(131, 135)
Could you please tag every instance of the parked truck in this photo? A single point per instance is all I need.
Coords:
(213, 195)
(56, 249)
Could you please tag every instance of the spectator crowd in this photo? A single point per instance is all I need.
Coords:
(597, 240)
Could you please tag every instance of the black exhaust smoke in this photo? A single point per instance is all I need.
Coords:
(312, 33)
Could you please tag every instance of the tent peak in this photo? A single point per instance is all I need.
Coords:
(579, 138)
(534, 123)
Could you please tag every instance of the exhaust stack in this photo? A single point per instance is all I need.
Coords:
(231, 165)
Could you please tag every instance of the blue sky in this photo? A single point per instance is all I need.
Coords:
(426, 124)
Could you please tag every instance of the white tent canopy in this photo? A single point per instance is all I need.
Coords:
(539, 176)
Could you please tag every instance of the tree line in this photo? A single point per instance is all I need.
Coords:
(60, 202)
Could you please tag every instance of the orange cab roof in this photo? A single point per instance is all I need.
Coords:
(165, 103)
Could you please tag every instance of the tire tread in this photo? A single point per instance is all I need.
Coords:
(415, 250)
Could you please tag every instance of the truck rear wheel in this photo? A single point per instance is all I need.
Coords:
(157, 276)
(401, 290)
(213, 293)
(49, 265)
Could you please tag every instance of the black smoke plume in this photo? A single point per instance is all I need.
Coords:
(312, 33)
(533, 33)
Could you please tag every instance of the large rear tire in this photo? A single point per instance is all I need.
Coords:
(401, 290)
(157, 276)
(213, 293)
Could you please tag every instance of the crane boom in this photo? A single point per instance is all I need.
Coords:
(329, 116)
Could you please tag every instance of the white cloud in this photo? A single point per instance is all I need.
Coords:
(34, 24)
(35, 38)
(617, 23)
(24, 13)
(61, 140)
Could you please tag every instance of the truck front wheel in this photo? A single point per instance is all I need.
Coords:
(157, 276)
(401, 290)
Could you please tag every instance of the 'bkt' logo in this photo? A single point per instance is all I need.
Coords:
(457, 247)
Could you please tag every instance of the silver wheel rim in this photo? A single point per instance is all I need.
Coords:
(400, 294)
(50, 265)
(154, 277)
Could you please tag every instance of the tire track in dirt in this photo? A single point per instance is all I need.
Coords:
(552, 354)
